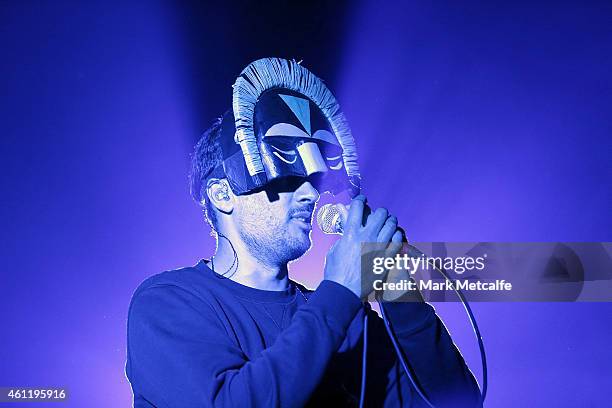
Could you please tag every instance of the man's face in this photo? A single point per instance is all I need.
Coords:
(275, 223)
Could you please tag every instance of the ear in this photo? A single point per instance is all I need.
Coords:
(220, 195)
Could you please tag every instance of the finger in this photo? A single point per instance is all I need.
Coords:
(377, 220)
(403, 233)
(355, 213)
(395, 245)
(388, 229)
(398, 235)
(343, 211)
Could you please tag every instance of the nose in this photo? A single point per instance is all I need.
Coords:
(306, 193)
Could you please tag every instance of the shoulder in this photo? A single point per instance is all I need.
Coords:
(173, 288)
(181, 278)
(181, 300)
(197, 280)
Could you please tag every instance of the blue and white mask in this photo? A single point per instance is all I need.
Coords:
(287, 125)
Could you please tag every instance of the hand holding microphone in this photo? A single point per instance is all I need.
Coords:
(343, 261)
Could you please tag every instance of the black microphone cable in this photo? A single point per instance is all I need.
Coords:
(468, 309)
(364, 355)
(328, 219)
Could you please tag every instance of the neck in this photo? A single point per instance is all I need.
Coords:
(248, 269)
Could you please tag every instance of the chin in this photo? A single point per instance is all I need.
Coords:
(299, 247)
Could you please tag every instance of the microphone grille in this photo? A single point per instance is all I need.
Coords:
(327, 219)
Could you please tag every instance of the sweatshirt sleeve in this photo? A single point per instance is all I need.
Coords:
(437, 365)
(180, 356)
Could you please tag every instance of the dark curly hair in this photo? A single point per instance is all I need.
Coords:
(206, 157)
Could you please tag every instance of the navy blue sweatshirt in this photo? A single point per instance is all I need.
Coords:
(196, 339)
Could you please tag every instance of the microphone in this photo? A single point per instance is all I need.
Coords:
(329, 219)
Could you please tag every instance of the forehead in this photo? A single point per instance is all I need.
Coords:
(287, 114)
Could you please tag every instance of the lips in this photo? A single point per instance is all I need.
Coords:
(304, 217)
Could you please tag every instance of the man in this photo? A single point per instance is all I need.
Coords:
(236, 330)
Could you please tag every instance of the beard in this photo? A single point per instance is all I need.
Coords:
(272, 239)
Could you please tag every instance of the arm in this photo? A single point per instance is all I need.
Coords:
(437, 365)
(180, 353)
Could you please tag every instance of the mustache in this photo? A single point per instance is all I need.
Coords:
(301, 211)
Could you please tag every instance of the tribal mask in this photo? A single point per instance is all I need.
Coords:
(284, 123)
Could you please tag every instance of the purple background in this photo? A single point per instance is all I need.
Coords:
(474, 122)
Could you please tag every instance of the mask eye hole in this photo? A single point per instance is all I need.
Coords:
(332, 154)
(335, 163)
(284, 152)
(290, 152)
(288, 156)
